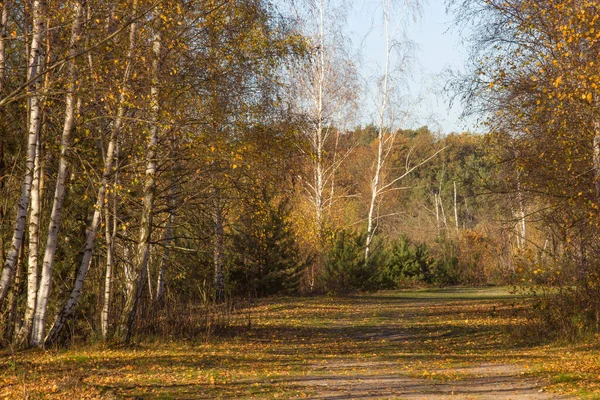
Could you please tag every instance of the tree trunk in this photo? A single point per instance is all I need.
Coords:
(319, 140)
(86, 259)
(596, 160)
(456, 212)
(160, 283)
(39, 320)
(3, 39)
(110, 235)
(13, 297)
(32, 261)
(437, 213)
(371, 227)
(521, 222)
(218, 250)
(34, 124)
(140, 266)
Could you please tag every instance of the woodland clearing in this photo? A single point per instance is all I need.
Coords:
(418, 344)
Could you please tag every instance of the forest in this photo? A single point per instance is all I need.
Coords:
(168, 166)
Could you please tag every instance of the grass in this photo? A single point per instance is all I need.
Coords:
(428, 334)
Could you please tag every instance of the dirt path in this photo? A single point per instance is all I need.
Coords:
(465, 379)
(437, 344)
(485, 381)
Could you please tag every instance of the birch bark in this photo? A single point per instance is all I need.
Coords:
(456, 223)
(110, 235)
(34, 99)
(596, 159)
(142, 254)
(160, 282)
(3, 40)
(32, 261)
(218, 250)
(39, 319)
(385, 91)
(92, 230)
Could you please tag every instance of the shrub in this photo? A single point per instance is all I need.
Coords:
(344, 267)
(406, 263)
(267, 259)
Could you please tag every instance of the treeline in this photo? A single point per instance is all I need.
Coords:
(183, 156)
(536, 78)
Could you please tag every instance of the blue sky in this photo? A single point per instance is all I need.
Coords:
(437, 48)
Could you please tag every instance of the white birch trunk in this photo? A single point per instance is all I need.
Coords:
(371, 227)
(444, 219)
(92, 230)
(522, 236)
(32, 260)
(160, 282)
(3, 40)
(34, 125)
(596, 159)
(218, 251)
(10, 323)
(318, 137)
(456, 212)
(142, 255)
(110, 234)
(437, 212)
(43, 296)
(161, 279)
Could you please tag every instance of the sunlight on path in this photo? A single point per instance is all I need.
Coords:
(485, 381)
(435, 344)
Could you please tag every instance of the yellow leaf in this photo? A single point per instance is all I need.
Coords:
(558, 81)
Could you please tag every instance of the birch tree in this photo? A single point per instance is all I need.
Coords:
(32, 261)
(34, 100)
(394, 18)
(91, 233)
(110, 234)
(142, 255)
(39, 320)
(4, 7)
(324, 91)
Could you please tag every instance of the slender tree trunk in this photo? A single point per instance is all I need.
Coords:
(160, 283)
(92, 230)
(39, 320)
(521, 221)
(3, 41)
(15, 293)
(218, 250)
(332, 192)
(437, 213)
(34, 123)
(32, 261)
(444, 219)
(596, 159)
(319, 140)
(456, 212)
(142, 255)
(371, 227)
(149, 275)
(110, 235)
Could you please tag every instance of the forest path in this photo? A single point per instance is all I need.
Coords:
(420, 344)
(439, 344)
